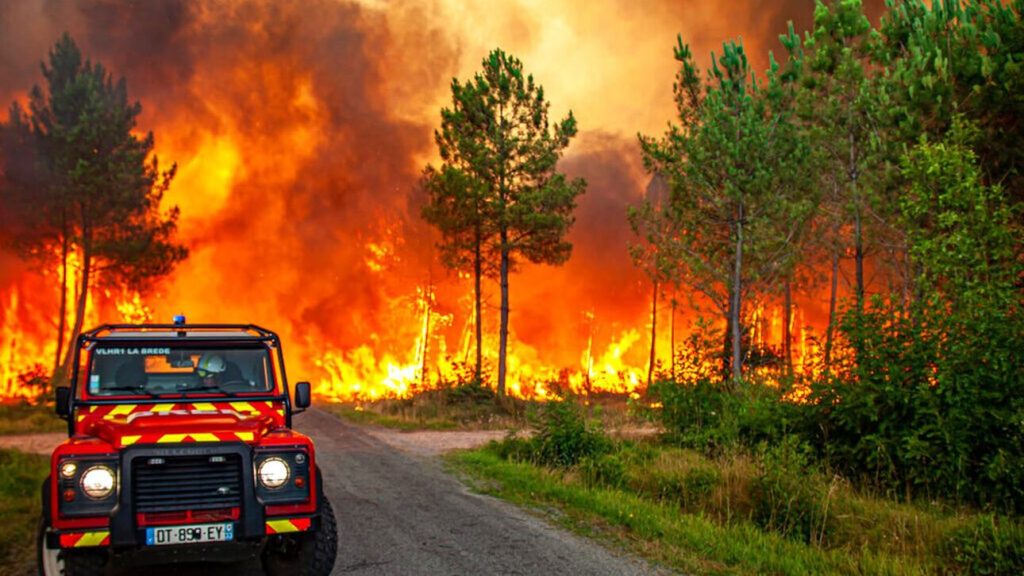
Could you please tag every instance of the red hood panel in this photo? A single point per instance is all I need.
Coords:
(125, 425)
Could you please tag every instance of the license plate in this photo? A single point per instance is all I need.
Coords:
(191, 534)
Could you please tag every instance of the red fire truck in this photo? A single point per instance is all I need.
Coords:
(180, 449)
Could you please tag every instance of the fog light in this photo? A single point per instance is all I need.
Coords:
(98, 482)
(68, 469)
(273, 473)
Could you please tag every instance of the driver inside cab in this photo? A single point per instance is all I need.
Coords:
(210, 369)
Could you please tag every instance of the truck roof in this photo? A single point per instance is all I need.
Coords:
(179, 331)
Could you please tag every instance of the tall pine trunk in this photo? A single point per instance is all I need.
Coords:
(425, 349)
(672, 337)
(787, 327)
(83, 299)
(477, 273)
(62, 313)
(858, 232)
(503, 331)
(654, 332)
(734, 306)
(832, 308)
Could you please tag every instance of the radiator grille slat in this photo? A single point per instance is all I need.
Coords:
(186, 483)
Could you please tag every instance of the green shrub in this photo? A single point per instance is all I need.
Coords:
(513, 448)
(987, 546)
(697, 485)
(789, 498)
(699, 414)
(607, 470)
(563, 436)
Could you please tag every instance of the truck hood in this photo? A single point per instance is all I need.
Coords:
(182, 426)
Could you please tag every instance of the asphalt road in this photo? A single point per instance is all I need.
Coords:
(399, 513)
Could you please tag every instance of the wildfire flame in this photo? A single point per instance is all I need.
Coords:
(300, 132)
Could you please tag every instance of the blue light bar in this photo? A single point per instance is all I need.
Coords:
(179, 319)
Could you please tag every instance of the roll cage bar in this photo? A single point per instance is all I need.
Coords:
(184, 330)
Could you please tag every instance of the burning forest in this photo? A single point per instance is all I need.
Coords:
(299, 131)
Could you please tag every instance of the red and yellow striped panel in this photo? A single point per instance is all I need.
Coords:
(178, 438)
(84, 539)
(286, 525)
(125, 413)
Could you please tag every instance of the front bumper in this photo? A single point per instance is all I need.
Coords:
(251, 526)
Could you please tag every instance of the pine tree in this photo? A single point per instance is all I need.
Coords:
(737, 168)
(102, 189)
(498, 197)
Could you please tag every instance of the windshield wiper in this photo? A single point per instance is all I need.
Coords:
(132, 389)
(216, 389)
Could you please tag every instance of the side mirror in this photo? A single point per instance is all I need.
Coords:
(302, 396)
(63, 402)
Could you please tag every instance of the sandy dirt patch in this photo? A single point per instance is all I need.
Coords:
(42, 443)
(434, 442)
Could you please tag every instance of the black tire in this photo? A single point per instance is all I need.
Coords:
(308, 555)
(64, 562)
(48, 562)
(84, 563)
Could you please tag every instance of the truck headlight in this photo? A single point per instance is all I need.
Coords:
(273, 472)
(98, 482)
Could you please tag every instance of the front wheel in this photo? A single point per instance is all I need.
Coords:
(50, 562)
(58, 562)
(306, 555)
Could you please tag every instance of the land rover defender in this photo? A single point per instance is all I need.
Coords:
(180, 448)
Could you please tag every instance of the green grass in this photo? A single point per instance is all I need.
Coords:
(20, 478)
(28, 419)
(696, 515)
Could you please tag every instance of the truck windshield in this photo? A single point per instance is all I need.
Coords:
(117, 370)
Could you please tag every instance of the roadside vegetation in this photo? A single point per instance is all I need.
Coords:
(26, 418)
(732, 506)
(20, 477)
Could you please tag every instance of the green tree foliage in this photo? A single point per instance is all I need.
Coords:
(952, 57)
(498, 197)
(735, 164)
(911, 138)
(840, 108)
(933, 404)
(92, 185)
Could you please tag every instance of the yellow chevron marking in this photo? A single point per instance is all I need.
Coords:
(269, 403)
(245, 436)
(280, 526)
(169, 438)
(204, 437)
(92, 408)
(281, 412)
(129, 440)
(81, 417)
(119, 410)
(92, 538)
(158, 408)
(243, 407)
(204, 406)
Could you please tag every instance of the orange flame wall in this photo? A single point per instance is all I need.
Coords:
(300, 130)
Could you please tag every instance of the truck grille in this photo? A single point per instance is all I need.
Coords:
(173, 483)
